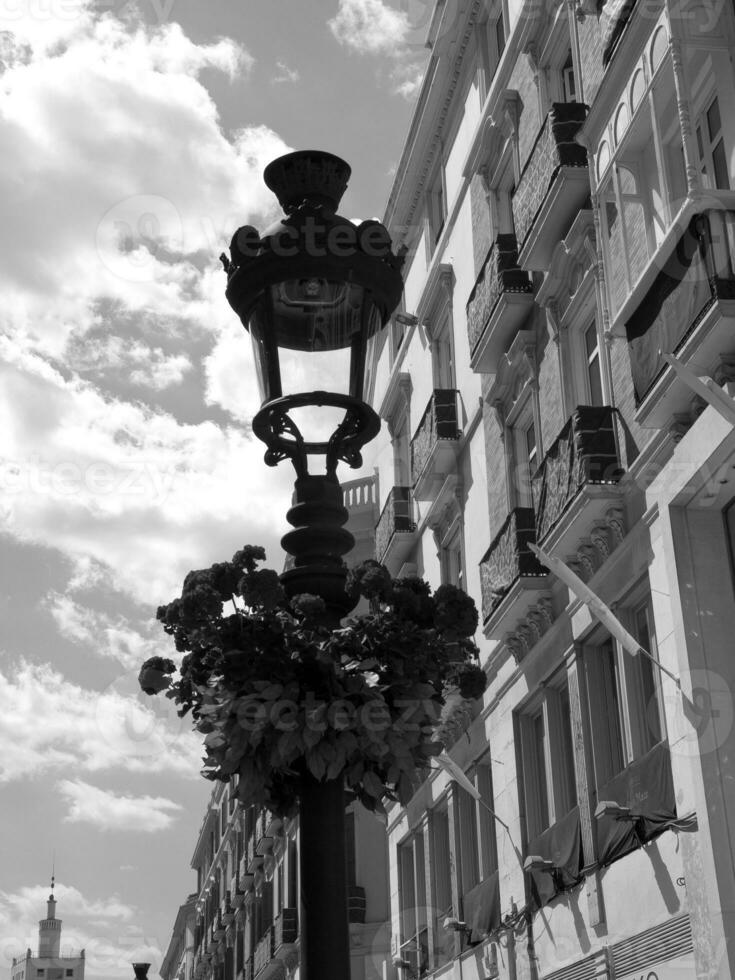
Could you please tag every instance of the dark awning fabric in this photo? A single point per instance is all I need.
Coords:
(647, 787)
(562, 845)
(481, 908)
(671, 275)
(618, 12)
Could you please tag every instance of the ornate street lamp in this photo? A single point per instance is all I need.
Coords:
(313, 284)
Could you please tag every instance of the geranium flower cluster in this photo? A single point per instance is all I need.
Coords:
(277, 694)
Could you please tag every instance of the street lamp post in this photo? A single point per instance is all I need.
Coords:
(315, 283)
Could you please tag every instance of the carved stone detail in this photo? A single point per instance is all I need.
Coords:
(615, 519)
(588, 557)
(600, 538)
(545, 608)
(516, 646)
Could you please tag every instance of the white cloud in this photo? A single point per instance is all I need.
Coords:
(109, 355)
(134, 489)
(111, 811)
(285, 74)
(113, 637)
(369, 26)
(49, 724)
(372, 27)
(141, 182)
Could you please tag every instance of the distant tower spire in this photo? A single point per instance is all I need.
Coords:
(49, 929)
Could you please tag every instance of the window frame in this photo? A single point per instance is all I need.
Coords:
(549, 762)
(436, 207)
(524, 416)
(706, 145)
(490, 50)
(635, 734)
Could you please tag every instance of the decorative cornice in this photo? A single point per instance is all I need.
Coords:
(426, 149)
(397, 395)
(437, 296)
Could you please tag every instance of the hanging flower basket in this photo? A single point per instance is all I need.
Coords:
(277, 694)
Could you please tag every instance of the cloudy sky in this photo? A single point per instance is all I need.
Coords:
(133, 135)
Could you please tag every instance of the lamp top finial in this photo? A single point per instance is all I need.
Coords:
(313, 175)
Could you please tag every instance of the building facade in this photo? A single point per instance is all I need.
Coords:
(49, 963)
(564, 196)
(178, 963)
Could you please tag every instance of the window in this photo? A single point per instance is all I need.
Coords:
(711, 148)
(547, 757)
(526, 458)
(69, 973)
(412, 904)
(442, 356)
(401, 452)
(397, 333)
(569, 89)
(492, 40)
(441, 885)
(647, 718)
(593, 371)
(452, 559)
(624, 698)
(436, 208)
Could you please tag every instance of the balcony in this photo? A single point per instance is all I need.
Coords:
(264, 954)
(285, 929)
(553, 186)
(254, 857)
(434, 446)
(395, 532)
(228, 909)
(245, 878)
(236, 890)
(510, 574)
(577, 480)
(689, 310)
(499, 303)
(263, 840)
(356, 903)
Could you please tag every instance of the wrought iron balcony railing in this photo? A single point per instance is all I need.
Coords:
(255, 859)
(356, 903)
(554, 181)
(285, 928)
(433, 447)
(509, 559)
(585, 453)
(395, 521)
(263, 952)
(498, 303)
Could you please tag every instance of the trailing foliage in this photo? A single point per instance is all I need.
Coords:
(276, 693)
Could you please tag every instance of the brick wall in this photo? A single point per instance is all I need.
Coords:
(481, 226)
(497, 492)
(591, 35)
(551, 400)
(637, 437)
(530, 122)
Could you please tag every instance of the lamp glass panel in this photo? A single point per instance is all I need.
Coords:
(311, 335)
